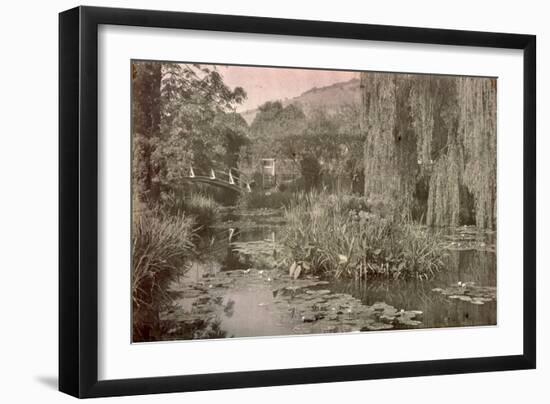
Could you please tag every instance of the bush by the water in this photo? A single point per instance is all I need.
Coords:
(265, 200)
(204, 209)
(331, 236)
(162, 245)
(294, 186)
(223, 196)
(355, 202)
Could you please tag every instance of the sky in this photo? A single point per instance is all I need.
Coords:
(266, 83)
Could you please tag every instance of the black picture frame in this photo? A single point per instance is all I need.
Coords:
(78, 201)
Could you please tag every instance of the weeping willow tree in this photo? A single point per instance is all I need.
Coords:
(444, 189)
(389, 148)
(445, 165)
(477, 131)
(466, 168)
(434, 130)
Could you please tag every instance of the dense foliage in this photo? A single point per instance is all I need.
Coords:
(202, 208)
(325, 147)
(182, 116)
(359, 177)
(326, 235)
(161, 247)
(430, 141)
(265, 200)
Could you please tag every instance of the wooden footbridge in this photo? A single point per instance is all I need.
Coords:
(231, 179)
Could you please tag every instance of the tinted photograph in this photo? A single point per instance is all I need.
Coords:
(276, 201)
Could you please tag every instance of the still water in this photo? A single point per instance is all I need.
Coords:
(241, 289)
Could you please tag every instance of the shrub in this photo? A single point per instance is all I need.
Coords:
(161, 246)
(265, 200)
(330, 238)
(355, 202)
(204, 210)
(295, 186)
(223, 196)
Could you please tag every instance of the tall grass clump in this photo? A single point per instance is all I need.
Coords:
(202, 208)
(162, 245)
(329, 238)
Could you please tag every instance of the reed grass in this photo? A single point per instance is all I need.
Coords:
(162, 245)
(332, 239)
(202, 208)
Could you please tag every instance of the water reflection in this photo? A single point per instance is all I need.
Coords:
(242, 307)
(439, 310)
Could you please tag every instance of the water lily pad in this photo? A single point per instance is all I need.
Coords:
(380, 306)
(469, 292)
(299, 305)
(387, 319)
(323, 292)
(379, 326)
(309, 317)
(409, 322)
(390, 311)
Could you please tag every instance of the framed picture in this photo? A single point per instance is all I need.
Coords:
(251, 201)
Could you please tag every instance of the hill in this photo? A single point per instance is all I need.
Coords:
(330, 97)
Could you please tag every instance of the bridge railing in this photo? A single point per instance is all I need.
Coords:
(230, 176)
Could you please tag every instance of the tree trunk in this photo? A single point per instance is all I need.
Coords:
(146, 130)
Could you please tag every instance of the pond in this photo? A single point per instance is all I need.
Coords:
(242, 288)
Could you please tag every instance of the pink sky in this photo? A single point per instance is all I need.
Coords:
(266, 83)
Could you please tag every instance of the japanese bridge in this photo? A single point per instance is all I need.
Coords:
(231, 179)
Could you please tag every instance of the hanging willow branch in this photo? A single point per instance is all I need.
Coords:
(439, 128)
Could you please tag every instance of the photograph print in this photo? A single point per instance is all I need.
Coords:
(276, 201)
